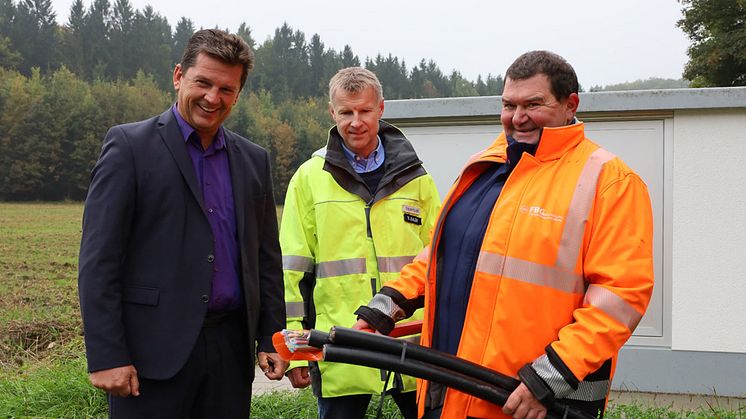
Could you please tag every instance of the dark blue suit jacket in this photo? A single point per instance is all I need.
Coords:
(146, 253)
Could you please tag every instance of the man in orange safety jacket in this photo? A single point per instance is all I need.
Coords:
(540, 265)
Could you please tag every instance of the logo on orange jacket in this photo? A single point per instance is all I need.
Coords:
(537, 211)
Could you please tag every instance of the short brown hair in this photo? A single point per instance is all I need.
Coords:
(354, 79)
(228, 48)
(561, 75)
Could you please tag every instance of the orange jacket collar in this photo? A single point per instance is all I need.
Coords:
(553, 144)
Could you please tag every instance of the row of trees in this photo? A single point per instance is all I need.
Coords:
(102, 42)
(113, 41)
(51, 129)
(646, 84)
(62, 87)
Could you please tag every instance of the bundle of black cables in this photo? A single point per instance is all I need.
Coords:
(357, 347)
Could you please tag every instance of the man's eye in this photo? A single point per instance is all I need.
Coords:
(532, 106)
(508, 106)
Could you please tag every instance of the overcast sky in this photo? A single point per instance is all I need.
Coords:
(607, 42)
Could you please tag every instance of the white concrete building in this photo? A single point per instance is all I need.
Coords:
(689, 145)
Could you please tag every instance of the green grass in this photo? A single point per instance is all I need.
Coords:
(54, 387)
(640, 411)
(302, 405)
(57, 387)
(42, 362)
(38, 270)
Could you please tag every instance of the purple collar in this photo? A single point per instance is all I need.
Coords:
(187, 130)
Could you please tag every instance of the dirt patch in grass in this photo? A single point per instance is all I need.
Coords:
(27, 341)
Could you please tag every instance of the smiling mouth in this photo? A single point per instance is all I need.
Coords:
(208, 110)
(525, 131)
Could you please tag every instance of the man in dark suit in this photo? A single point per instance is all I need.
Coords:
(180, 275)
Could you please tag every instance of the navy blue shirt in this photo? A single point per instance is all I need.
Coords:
(214, 176)
(460, 243)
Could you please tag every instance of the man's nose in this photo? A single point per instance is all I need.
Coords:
(212, 96)
(519, 115)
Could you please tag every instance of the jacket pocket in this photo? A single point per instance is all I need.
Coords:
(141, 295)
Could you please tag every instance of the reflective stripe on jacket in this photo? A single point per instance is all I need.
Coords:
(340, 243)
(564, 275)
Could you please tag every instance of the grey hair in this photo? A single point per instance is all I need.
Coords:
(353, 80)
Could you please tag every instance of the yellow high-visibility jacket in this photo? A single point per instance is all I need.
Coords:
(564, 275)
(340, 244)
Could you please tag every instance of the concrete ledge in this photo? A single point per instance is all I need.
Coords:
(651, 369)
(488, 107)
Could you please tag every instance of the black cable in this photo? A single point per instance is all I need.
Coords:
(419, 369)
(318, 339)
(360, 339)
(425, 371)
(398, 347)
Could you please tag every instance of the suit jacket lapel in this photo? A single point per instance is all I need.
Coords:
(168, 128)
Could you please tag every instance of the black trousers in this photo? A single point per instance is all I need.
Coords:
(215, 382)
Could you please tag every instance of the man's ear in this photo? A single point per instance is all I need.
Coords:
(331, 111)
(177, 76)
(571, 106)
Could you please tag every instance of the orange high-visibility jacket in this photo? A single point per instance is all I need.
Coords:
(564, 275)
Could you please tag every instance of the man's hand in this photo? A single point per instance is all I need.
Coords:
(299, 377)
(120, 381)
(272, 365)
(361, 324)
(523, 405)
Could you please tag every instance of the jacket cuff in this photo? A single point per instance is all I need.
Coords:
(103, 360)
(394, 304)
(536, 385)
(555, 374)
(296, 364)
(376, 319)
(265, 345)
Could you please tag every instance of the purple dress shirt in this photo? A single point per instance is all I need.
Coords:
(213, 173)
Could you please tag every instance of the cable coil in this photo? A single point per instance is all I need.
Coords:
(378, 351)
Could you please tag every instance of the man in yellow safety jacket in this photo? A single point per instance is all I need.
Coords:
(541, 263)
(355, 213)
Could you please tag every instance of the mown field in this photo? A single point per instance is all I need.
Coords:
(42, 366)
(38, 270)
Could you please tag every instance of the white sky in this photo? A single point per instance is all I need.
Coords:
(607, 42)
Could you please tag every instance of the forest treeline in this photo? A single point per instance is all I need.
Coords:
(109, 41)
(63, 86)
(51, 129)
